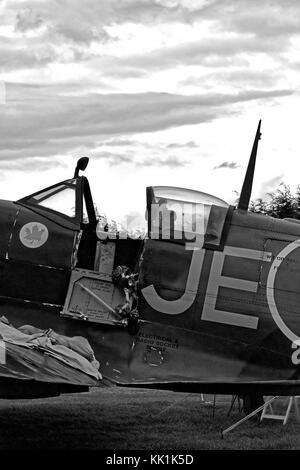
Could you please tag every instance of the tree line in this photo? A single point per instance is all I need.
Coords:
(281, 203)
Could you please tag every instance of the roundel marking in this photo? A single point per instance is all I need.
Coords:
(34, 235)
(270, 290)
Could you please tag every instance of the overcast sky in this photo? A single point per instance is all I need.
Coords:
(156, 92)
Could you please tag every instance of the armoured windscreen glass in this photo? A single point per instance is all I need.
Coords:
(62, 199)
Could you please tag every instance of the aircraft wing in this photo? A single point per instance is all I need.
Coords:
(42, 363)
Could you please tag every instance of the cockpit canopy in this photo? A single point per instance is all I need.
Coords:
(182, 195)
(180, 214)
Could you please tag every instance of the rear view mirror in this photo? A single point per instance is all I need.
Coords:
(82, 163)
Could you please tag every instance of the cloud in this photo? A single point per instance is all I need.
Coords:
(268, 19)
(84, 22)
(191, 145)
(169, 162)
(114, 159)
(204, 53)
(119, 142)
(27, 165)
(76, 32)
(269, 185)
(228, 165)
(238, 78)
(24, 58)
(130, 50)
(27, 20)
(132, 157)
(274, 21)
(146, 146)
(80, 34)
(56, 125)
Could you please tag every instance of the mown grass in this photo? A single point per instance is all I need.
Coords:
(135, 419)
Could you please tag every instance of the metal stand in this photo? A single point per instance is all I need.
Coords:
(247, 417)
(214, 406)
(202, 400)
(268, 411)
(235, 398)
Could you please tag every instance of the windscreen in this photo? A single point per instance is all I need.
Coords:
(60, 198)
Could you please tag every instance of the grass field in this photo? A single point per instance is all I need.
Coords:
(122, 419)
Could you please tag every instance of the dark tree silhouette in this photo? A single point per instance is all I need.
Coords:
(259, 205)
(280, 204)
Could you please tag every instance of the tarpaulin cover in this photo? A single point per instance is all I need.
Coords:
(45, 356)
